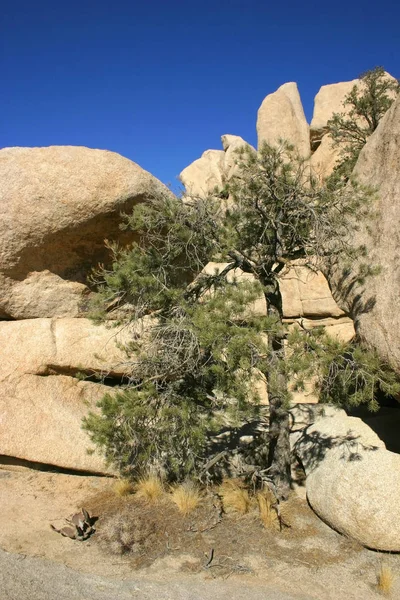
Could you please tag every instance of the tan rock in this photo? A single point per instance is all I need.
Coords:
(42, 293)
(302, 415)
(41, 421)
(67, 346)
(232, 145)
(340, 328)
(306, 293)
(228, 140)
(281, 116)
(41, 403)
(258, 308)
(353, 482)
(325, 158)
(58, 204)
(328, 101)
(203, 175)
(374, 306)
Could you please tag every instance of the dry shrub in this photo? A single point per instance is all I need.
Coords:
(124, 532)
(123, 487)
(385, 579)
(150, 488)
(267, 511)
(186, 497)
(235, 497)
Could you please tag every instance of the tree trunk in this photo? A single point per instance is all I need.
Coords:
(279, 454)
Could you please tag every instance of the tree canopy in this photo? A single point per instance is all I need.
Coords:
(363, 107)
(193, 371)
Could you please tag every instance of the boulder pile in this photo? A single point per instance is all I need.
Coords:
(58, 205)
(353, 482)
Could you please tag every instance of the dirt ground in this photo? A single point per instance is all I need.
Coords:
(307, 558)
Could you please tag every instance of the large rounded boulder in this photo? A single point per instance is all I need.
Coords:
(353, 482)
(58, 205)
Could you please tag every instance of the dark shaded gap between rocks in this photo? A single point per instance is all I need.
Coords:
(12, 461)
(110, 379)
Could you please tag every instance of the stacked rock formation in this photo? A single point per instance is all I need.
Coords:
(214, 168)
(306, 294)
(58, 206)
(374, 306)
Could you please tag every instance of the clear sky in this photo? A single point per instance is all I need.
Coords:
(160, 81)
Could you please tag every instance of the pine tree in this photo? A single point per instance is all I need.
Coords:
(365, 106)
(192, 369)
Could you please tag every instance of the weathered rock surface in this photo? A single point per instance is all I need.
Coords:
(41, 404)
(66, 346)
(353, 482)
(58, 204)
(258, 308)
(374, 306)
(213, 168)
(203, 175)
(306, 293)
(305, 414)
(42, 293)
(281, 116)
(328, 101)
(41, 421)
(340, 328)
(232, 145)
(325, 158)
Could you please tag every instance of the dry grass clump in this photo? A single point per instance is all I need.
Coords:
(187, 497)
(150, 488)
(385, 580)
(124, 532)
(268, 514)
(235, 497)
(123, 487)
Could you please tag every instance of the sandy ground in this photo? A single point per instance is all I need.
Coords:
(30, 500)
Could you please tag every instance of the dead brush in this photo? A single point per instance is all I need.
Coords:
(385, 580)
(123, 487)
(235, 497)
(123, 533)
(150, 488)
(187, 497)
(266, 509)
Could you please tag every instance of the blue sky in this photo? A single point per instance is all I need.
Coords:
(161, 81)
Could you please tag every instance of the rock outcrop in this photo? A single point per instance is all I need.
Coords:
(306, 293)
(58, 206)
(328, 101)
(63, 346)
(41, 421)
(281, 116)
(374, 306)
(353, 482)
(42, 399)
(203, 175)
(214, 168)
